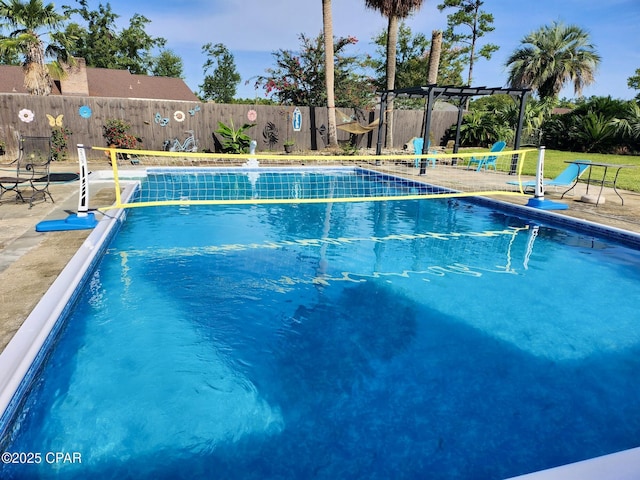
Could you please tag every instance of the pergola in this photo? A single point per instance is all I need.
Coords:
(452, 94)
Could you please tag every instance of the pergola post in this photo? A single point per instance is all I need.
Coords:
(516, 144)
(462, 94)
(456, 142)
(425, 133)
(383, 107)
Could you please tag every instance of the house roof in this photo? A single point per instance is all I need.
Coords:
(104, 82)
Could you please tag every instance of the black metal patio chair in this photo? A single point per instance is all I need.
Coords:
(29, 178)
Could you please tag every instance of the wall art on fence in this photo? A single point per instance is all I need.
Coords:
(270, 134)
(55, 121)
(26, 115)
(160, 120)
(85, 111)
(296, 120)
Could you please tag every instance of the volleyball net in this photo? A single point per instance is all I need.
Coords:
(180, 178)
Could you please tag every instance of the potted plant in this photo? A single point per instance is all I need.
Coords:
(288, 145)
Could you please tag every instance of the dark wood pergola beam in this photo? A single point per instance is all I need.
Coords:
(450, 93)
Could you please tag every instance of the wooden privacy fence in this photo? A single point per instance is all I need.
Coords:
(155, 121)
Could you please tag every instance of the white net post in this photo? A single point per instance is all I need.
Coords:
(75, 221)
(538, 200)
(83, 194)
(539, 190)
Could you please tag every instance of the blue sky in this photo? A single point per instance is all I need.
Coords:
(253, 29)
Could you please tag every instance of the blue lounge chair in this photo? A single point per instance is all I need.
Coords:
(418, 143)
(488, 160)
(566, 178)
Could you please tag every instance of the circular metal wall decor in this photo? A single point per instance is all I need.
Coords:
(85, 111)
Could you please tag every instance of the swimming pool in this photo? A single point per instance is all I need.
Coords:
(405, 339)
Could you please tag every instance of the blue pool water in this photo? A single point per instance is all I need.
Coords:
(409, 339)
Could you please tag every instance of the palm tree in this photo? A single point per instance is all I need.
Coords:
(327, 25)
(29, 22)
(551, 57)
(394, 10)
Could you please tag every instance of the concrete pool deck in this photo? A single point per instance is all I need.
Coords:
(31, 261)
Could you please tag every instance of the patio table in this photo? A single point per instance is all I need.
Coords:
(592, 180)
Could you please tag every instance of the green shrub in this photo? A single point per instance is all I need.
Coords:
(116, 133)
(234, 141)
(60, 142)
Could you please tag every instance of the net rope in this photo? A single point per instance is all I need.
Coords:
(179, 178)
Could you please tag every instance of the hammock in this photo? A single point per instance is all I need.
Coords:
(357, 129)
(348, 123)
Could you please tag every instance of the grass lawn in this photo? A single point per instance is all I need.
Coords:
(554, 163)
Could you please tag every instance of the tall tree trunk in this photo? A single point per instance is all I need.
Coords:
(472, 55)
(432, 69)
(327, 23)
(36, 73)
(392, 42)
(434, 56)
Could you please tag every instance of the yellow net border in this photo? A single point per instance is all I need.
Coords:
(451, 174)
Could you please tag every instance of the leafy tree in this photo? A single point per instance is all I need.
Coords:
(221, 86)
(495, 117)
(468, 14)
(600, 124)
(619, 119)
(634, 82)
(299, 79)
(102, 46)
(412, 59)
(628, 126)
(29, 22)
(97, 43)
(595, 132)
(135, 46)
(480, 129)
(394, 10)
(167, 64)
(253, 101)
(9, 58)
(552, 56)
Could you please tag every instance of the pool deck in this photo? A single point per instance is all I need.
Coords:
(30, 261)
